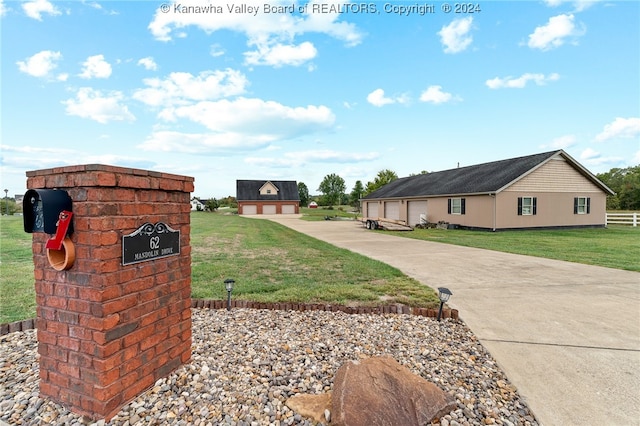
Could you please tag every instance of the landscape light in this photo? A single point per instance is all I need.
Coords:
(228, 284)
(443, 294)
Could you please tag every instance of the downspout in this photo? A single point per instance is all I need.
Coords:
(494, 211)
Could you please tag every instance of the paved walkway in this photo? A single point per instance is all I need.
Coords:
(567, 335)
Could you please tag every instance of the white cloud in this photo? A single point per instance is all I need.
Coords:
(203, 143)
(635, 161)
(3, 8)
(280, 54)
(182, 87)
(377, 98)
(95, 105)
(521, 82)
(555, 32)
(41, 64)
(31, 150)
(435, 95)
(300, 158)
(35, 9)
(96, 66)
(241, 124)
(592, 158)
(271, 33)
(562, 142)
(216, 50)
(589, 154)
(455, 36)
(148, 63)
(623, 128)
(579, 5)
(252, 116)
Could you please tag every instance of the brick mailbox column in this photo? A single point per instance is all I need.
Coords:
(107, 330)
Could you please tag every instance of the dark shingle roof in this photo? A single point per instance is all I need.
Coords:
(478, 179)
(249, 190)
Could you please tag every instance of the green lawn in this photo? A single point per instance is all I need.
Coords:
(269, 262)
(272, 263)
(17, 292)
(614, 247)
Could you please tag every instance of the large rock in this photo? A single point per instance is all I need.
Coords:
(380, 391)
(312, 406)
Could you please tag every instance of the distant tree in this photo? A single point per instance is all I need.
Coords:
(356, 194)
(8, 205)
(228, 201)
(382, 178)
(212, 205)
(423, 172)
(332, 186)
(303, 193)
(626, 184)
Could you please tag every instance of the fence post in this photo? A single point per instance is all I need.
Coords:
(635, 219)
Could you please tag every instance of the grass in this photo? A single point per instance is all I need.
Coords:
(17, 291)
(614, 247)
(270, 263)
(321, 213)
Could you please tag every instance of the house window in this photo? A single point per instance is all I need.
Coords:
(527, 206)
(268, 191)
(581, 205)
(456, 206)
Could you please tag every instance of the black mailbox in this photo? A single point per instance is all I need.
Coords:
(41, 209)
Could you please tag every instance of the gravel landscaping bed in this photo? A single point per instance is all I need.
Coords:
(247, 362)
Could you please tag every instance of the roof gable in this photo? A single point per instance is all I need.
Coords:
(478, 179)
(250, 190)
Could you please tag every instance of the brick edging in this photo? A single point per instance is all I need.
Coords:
(30, 324)
(381, 309)
(12, 327)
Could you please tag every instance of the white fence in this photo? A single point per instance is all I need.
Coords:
(623, 218)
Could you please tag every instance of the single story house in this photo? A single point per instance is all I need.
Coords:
(544, 190)
(197, 204)
(267, 197)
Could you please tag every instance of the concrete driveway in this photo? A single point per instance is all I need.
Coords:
(567, 335)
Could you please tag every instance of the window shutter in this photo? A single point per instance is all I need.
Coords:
(588, 205)
(575, 205)
(519, 206)
(449, 206)
(535, 205)
(462, 203)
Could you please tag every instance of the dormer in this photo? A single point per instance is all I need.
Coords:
(268, 189)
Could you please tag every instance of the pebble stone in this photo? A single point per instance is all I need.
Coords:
(247, 362)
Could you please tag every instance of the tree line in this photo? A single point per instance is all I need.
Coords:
(626, 184)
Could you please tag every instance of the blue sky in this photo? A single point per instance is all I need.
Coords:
(299, 90)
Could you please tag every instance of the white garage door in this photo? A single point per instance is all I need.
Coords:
(288, 209)
(371, 209)
(269, 209)
(392, 210)
(416, 208)
(249, 209)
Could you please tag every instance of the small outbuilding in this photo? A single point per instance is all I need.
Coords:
(544, 190)
(267, 197)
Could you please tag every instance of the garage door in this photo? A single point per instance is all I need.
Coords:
(371, 209)
(269, 209)
(415, 209)
(249, 209)
(288, 209)
(392, 210)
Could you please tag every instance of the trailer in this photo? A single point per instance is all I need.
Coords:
(385, 224)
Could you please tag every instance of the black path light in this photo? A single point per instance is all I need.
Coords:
(443, 294)
(228, 284)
